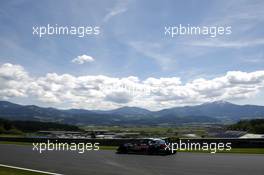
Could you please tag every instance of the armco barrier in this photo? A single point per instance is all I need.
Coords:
(236, 143)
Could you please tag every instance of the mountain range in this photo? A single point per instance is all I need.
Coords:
(214, 112)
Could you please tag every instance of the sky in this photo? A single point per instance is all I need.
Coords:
(131, 62)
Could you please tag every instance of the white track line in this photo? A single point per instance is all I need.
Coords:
(27, 169)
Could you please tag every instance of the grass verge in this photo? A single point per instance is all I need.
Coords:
(13, 171)
(15, 143)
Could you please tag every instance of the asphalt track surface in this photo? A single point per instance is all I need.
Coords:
(109, 163)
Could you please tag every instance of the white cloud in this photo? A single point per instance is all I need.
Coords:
(256, 58)
(13, 81)
(245, 19)
(120, 7)
(10, 71)
(228, 44)
(103, 92)
(83, 59)
(122, 97)
(155, 51)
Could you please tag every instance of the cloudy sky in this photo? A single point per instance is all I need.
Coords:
(131, 62)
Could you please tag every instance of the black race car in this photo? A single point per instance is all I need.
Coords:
(145, 146)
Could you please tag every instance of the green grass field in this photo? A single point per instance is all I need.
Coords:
(11, 135)
(16, 143)
(12, 171)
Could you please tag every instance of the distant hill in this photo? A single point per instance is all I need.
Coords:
(126, 111)
(218, 109)
(214, 112)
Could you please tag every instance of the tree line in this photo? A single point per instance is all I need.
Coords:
(17, 127)
(255, 126)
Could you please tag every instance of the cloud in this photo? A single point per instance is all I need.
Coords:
(119, 97)
(228, 44)
(245, 20)
(10, 71)
(83, 59)
(103, 92)
(14, 81)
(154, 51)
(119, 8)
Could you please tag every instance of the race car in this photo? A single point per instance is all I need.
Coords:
(145, 146)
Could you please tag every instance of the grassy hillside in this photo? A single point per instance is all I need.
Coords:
(253, 126)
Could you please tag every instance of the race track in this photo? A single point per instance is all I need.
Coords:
(109, 163)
